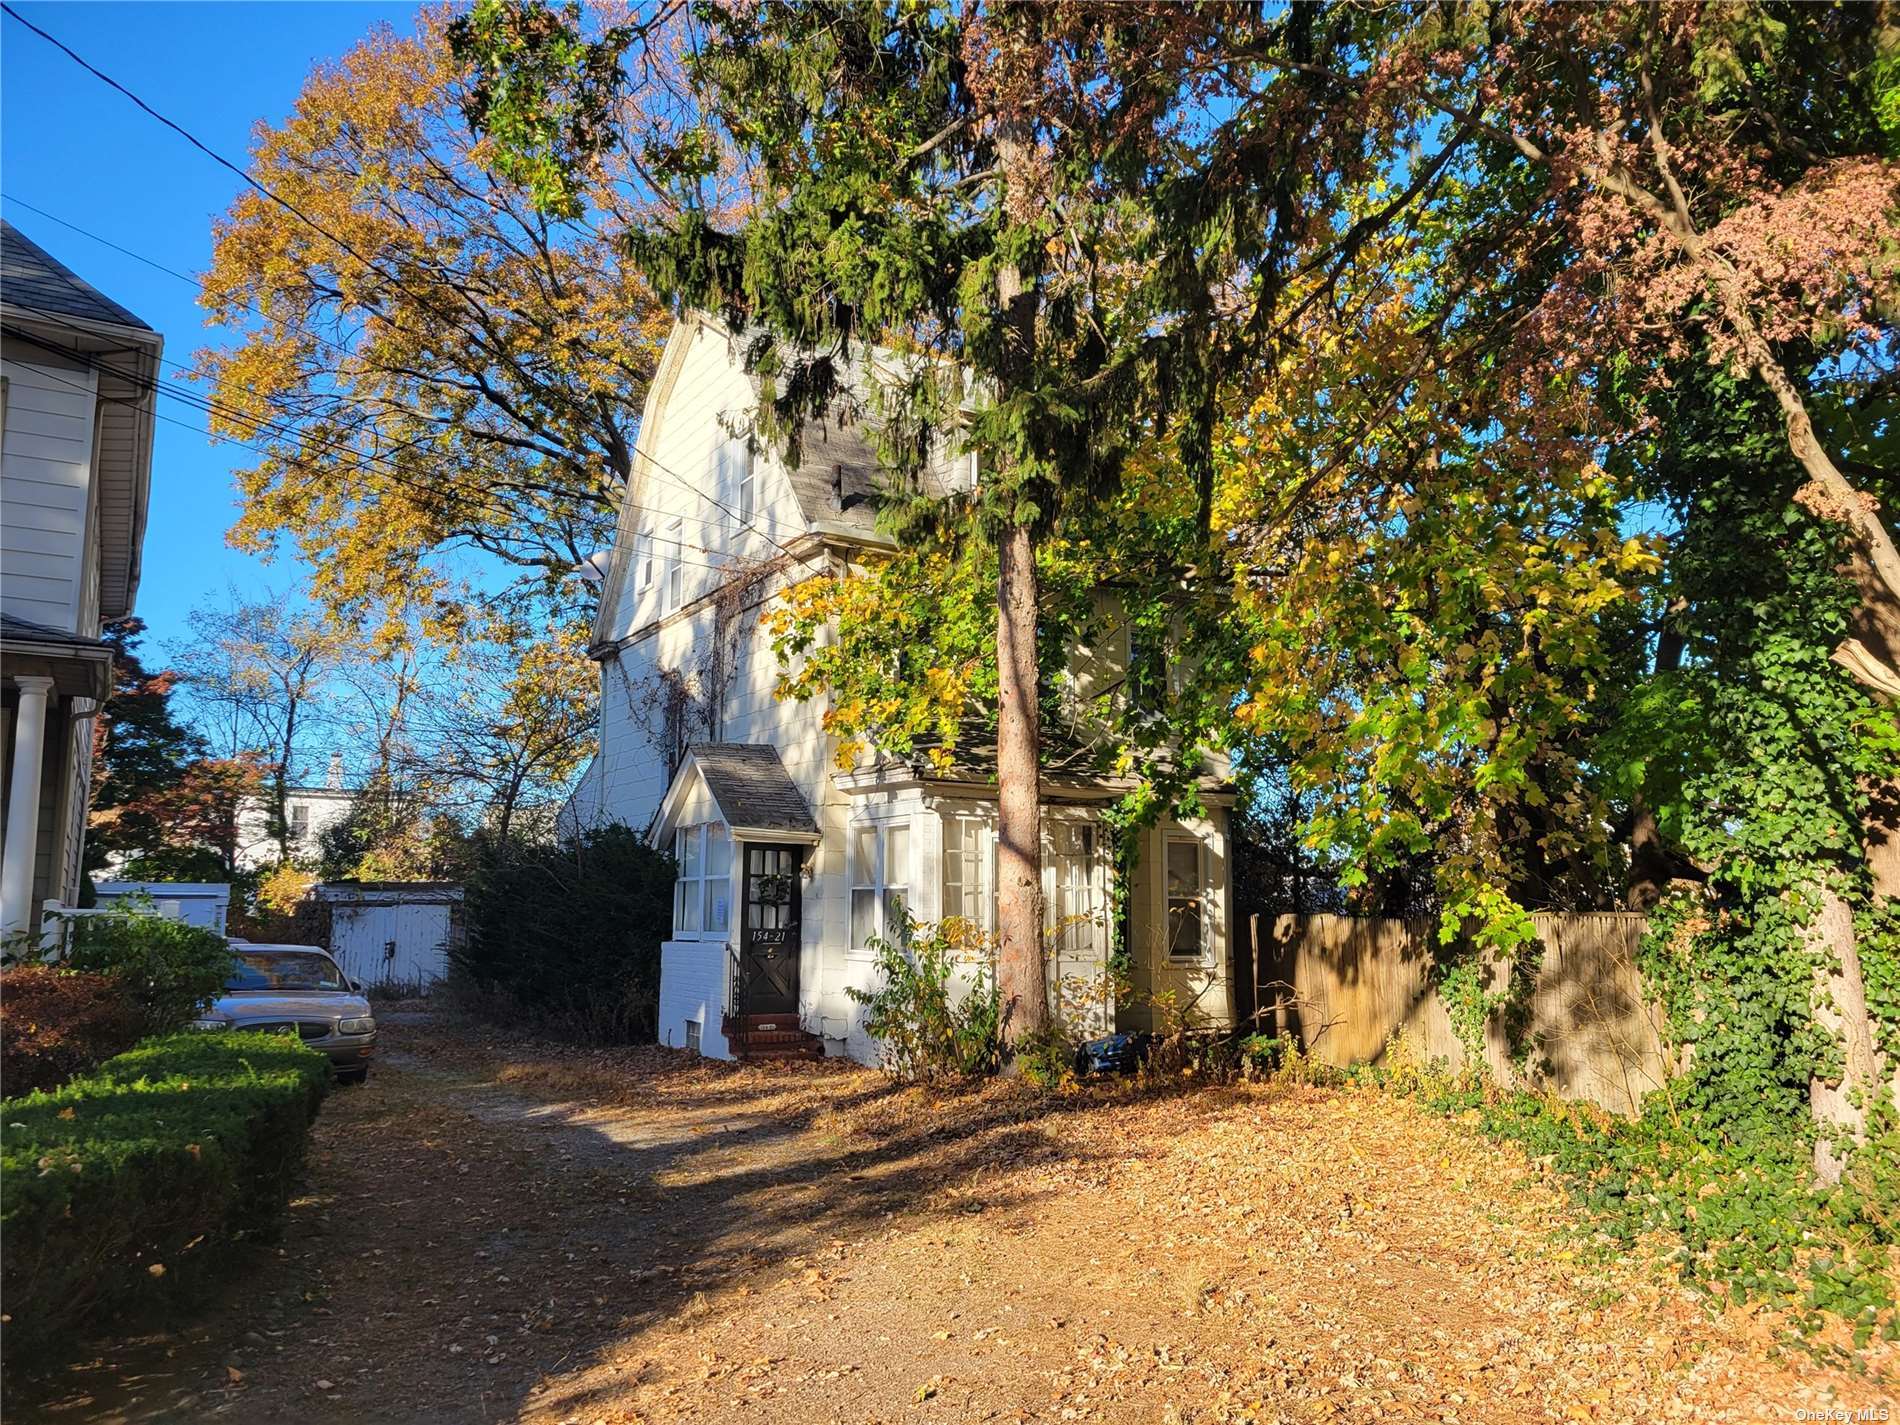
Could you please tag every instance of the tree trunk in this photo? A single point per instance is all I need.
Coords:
(1840, 1008)
(280, 783)
(1021, 974)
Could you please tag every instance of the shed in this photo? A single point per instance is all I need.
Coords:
(394, 934)
(206, 903)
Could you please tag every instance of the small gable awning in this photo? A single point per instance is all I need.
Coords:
(747, 782)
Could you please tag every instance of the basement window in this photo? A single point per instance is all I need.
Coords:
(692, 1036)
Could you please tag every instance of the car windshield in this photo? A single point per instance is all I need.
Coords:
(284, 970)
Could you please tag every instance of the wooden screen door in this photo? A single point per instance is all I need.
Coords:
(768, 936)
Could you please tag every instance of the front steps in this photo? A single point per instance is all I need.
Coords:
(758, 1037)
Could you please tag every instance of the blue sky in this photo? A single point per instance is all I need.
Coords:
(85, 154)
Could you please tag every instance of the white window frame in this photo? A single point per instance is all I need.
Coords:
(981, 858)
(675, 565)
(881, 880)
(738, 474)
(1078, 905)
(1200, 898)
(701, 890)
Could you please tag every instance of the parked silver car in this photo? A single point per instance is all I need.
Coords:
(297, 989)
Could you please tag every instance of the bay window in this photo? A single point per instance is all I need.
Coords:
(880, 881)
(969, 871)
(1187, 899)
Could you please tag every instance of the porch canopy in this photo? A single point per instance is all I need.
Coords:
(748, 786)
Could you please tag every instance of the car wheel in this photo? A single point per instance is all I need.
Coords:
(352, 1076)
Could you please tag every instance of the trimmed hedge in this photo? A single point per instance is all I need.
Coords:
(57, 1023)
(127, 1188)
(170, 969)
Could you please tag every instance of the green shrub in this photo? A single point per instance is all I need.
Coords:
(57, 1023)
(567, 938)
(931, 1028)
(170, 969)
(128, 1187)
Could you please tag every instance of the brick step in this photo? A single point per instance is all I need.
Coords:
(766, 1038)
(779, 1052)
(744, 1022)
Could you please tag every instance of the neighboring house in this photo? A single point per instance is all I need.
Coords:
(788, 866)
(77, 374)
(309, 811)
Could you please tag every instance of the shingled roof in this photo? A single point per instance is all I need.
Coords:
(752, 787)
(32, 279)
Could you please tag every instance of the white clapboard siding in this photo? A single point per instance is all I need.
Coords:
(45, 480)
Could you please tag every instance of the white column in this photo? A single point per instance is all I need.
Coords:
(23, 805)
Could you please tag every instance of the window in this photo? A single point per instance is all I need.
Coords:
(692, 1036)
(1078, 917)
(675, 568)
(702, 896)
(718, 879)
(969, 871)
(735, 476)
(300, 821)
(1187, 927)
(643, 578)
(880, 880)
(690, 887)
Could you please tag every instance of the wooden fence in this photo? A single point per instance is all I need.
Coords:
(1346, 985)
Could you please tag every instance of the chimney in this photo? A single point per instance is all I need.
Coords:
(335, 780)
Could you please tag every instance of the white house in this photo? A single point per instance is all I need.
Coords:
(77, 375)
(308, 811)
(789, 865)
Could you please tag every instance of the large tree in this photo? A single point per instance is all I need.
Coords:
(141, 751)
(428, 363)
(1059, 223)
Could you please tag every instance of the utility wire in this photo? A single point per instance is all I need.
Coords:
(317, 227)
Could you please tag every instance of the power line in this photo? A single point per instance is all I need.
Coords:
(343, 245)
(660, 467)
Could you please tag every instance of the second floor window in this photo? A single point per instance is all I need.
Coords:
(736, 478)
(675, 566)
(300, 821)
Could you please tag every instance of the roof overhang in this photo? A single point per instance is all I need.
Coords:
(78, 669)
(902, 776)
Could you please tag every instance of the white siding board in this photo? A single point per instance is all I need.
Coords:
(46, 471)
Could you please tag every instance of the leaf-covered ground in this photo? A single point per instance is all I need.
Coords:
(504, 1231)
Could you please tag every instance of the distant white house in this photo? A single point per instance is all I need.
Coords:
(789, 866)
(310, 811)
(77, 373)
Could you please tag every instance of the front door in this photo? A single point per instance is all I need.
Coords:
(768, 936)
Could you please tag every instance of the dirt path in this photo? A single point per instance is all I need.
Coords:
(502, 1231)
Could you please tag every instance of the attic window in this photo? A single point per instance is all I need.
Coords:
(675, 567)
(734, 473)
